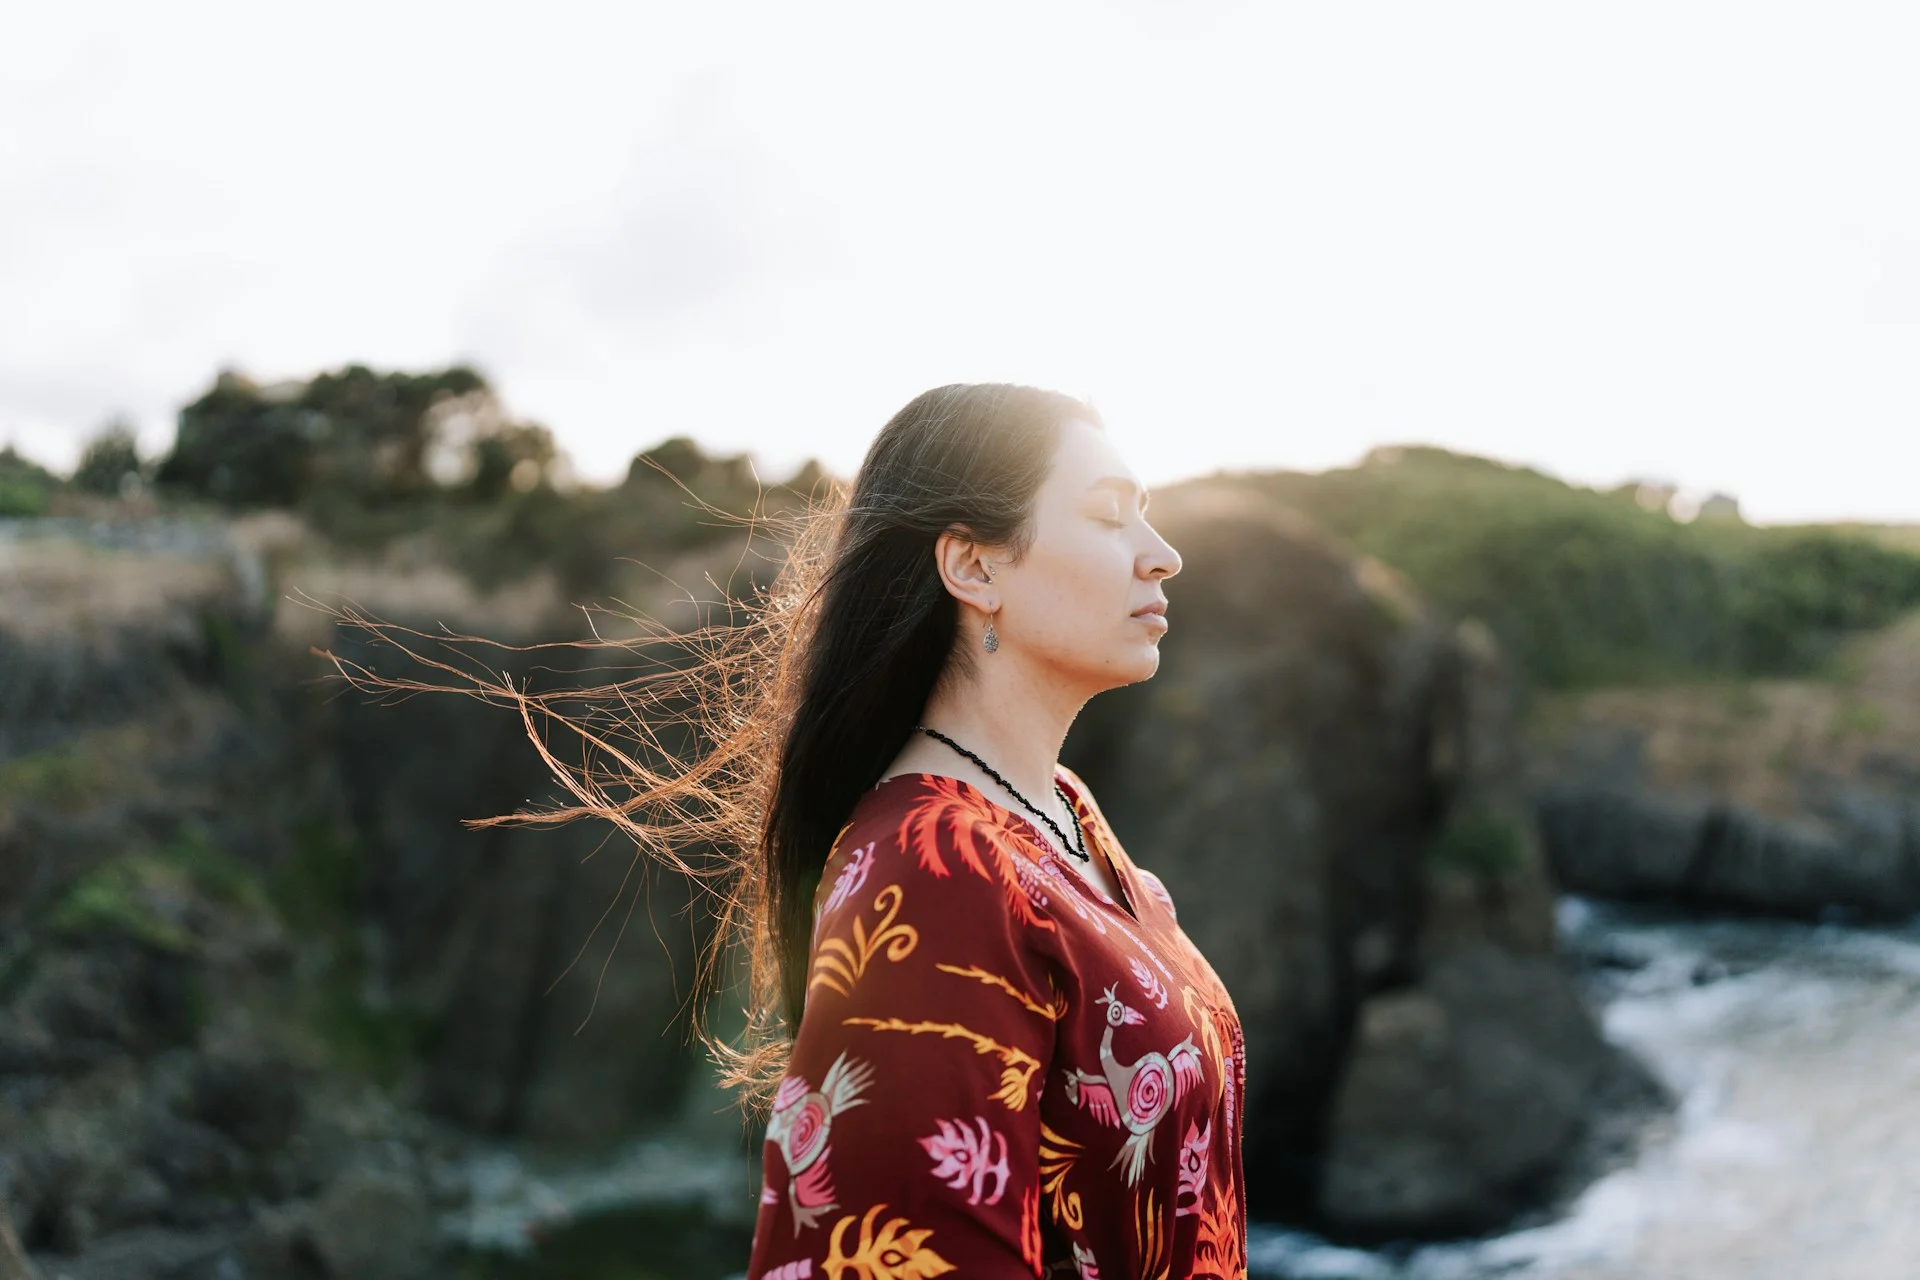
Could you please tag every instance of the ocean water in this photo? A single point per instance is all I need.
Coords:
(1794, 1052)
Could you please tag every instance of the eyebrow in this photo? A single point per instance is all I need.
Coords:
(1124, 485)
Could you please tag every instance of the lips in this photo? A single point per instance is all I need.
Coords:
(1158, 609)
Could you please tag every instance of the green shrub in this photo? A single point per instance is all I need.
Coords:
(318, 894)
(134, 896)
(61, 778)
(149, 894)
(1480, 842)
(26, 487)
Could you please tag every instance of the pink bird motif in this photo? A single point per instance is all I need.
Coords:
(1134, 1096)
(800, 1126)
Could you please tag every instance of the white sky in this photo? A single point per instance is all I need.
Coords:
(1672, 240)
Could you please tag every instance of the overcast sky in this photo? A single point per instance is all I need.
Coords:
(1670, 240)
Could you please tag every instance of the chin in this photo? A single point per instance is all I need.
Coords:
(1138, 665)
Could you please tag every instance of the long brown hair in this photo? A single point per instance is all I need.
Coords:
(795, 704)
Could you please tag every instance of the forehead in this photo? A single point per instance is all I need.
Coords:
(1085, 456)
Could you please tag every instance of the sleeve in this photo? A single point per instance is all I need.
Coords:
(904, 1139)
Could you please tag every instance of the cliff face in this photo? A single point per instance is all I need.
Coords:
(257, 983)
(1793, 797)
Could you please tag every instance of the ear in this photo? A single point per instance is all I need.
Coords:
(964, 565)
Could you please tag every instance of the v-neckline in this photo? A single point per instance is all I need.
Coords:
(1124, 904)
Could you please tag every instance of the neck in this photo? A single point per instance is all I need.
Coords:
(1011, 716)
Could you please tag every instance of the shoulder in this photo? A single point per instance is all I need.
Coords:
(921, 828)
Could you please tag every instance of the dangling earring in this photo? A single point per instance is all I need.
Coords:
(990, 641)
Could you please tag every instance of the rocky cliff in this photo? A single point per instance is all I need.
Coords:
(1793, 797)
(258, 986)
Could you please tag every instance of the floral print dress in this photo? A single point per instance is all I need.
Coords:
(1000, 1071)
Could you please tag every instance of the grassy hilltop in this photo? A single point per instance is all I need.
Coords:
(1593, 587)
(1584, 587)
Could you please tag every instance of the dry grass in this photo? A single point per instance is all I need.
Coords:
(52, 586)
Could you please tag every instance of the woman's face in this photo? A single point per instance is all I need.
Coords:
(1078, 604)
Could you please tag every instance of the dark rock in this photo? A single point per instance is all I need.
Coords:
(254, 1101)
(276, 1246)
(141, 1197)
(1465, 1093)
(152, 1253)
(190, 1156)
(373, 1225)
(1694, 849)
(113, 998)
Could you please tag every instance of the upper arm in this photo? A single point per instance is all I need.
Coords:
(909, 1116)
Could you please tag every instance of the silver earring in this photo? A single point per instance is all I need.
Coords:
(990, 640)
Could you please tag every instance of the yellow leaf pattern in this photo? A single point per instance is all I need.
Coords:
(1057, 1155)
(1052, 1012)
(1015, 1080)
(898, 1252)
(839, 964)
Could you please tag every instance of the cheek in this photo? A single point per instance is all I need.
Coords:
(1092, 577)
(1081, 610)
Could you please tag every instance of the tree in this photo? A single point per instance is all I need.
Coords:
(241, 445)
(110, 464)
(352, 436)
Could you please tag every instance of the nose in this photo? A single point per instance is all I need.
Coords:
(1159, 560)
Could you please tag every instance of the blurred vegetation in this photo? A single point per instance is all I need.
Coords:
(1904, 536)
(368, 457)
(1481, 842)
(1588, 587)
(26, 487)
(353, 433)
(317, 894)
(110, 464)
(59, 777)
(146, 894)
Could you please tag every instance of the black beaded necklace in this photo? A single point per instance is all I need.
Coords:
(1078, 848)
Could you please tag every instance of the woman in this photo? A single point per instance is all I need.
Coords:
(1006, 1057)
(980, 1040)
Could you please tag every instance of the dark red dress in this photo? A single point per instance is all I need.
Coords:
(1000, 1072)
